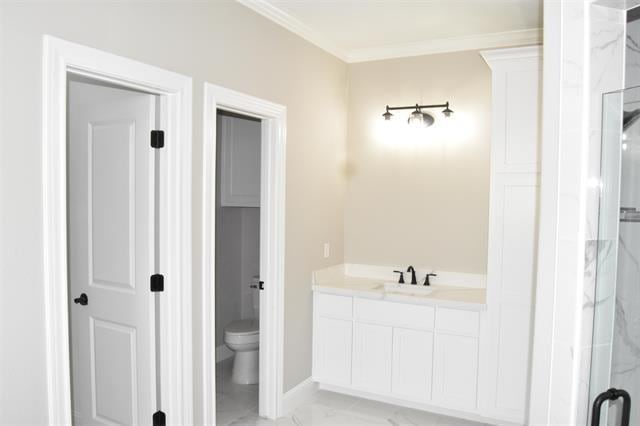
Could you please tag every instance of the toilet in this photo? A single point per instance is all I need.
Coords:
(243, 337)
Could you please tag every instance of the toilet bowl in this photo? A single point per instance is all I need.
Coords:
(243, 337)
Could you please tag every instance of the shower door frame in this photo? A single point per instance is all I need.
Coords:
(605, 302)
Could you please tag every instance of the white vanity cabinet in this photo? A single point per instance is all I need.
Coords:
(393, 348)
(398, 352)
(332, 339)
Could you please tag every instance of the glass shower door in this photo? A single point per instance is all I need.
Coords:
(615, 356)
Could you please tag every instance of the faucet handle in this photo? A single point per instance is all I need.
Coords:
(426, 279)
(401, 279)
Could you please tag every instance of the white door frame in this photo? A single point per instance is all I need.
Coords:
(272, 233)
(60, 58)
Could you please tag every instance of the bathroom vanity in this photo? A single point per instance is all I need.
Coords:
(465, 348)
(399, 344)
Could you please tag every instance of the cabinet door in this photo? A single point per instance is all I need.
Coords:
(372, 357)
(511, 280)
(455, 371)
(332, 359)
(412, 364)
(240, 166)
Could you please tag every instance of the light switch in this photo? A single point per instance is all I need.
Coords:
(327, 250)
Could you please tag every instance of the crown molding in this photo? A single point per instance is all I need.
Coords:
(445, 45)
(427, 47)
(496, 57)
(294, 25)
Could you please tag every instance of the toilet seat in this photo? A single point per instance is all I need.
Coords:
(243, 331)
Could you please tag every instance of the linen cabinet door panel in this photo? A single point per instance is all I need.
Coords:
(240, 165)
(372, 357)
(332, 361)
(412, 364)
(455, 371)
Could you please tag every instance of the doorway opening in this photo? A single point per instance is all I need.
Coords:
(237, 265)
(249, 134)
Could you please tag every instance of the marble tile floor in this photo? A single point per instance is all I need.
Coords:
(238, 405)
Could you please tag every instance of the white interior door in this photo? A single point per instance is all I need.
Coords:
(111, 254)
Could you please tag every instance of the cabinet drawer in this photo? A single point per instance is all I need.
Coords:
(458, 321)
(329, 305)
(395, 314)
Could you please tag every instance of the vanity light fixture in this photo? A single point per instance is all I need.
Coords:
(417, 117)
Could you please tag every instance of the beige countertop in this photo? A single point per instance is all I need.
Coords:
(441, 295)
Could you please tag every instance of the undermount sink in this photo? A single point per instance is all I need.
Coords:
(412, 289)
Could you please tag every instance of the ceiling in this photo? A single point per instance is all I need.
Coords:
(363, 30)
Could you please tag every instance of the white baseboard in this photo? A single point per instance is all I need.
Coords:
(296, 396)
(222, 353)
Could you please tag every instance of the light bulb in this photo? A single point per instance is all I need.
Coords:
(416, 119)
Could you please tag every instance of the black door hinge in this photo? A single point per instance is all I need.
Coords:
(157, 138)
(157, 282)
(261, 285)
(159, 418)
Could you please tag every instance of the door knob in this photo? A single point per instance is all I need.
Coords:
(83, 299)
(260, 285)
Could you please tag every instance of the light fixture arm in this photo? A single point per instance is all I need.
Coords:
(419, 107)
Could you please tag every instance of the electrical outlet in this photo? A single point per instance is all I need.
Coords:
(327, 250)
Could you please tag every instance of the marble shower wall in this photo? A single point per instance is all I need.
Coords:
(625, 354)
(632, 60)
(616, 255)
(607, 47)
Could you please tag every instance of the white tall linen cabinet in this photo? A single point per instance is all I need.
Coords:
(513, 230)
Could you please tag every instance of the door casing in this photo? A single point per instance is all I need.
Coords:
(174, 90)
(272, 234)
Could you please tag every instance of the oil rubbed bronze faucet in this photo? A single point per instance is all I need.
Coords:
(413, 275)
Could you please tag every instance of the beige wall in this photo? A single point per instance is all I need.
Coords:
(419, 201)
(216, 41)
